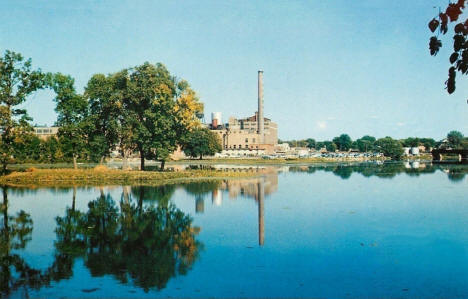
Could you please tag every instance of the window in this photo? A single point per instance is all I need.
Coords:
(246, 140)
(234, 146)
(253, 139)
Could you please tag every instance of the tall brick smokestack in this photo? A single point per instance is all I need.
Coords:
(260, 120)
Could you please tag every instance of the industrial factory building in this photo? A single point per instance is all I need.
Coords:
(251, 133)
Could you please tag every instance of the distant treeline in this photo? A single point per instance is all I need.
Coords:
(387, 145)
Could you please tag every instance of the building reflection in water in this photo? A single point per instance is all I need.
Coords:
(256, 188)
(261, 212)
(199, 205)
(217, 197)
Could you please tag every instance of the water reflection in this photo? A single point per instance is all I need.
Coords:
(455, 172)
(255, 188)
(142, 244)
(199, 190)
(15, 233)
(139, 237)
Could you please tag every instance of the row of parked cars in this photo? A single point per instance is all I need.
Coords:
(323, 155)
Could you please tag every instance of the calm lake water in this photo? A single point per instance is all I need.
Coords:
(336, 231)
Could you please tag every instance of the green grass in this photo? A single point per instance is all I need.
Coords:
(94, 177)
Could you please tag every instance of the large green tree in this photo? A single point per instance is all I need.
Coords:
(17, 81)
(365, 143)
(150, 94)
(330, 146)
(455, 139)
(107, 113)
(72, 110)
(162, 111)
(343, 142)
(390, 147)
(202, 142)
(112, 114)
(410, 142)
(143, 109)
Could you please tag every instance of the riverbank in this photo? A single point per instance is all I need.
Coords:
(103, 176)
(279, 161)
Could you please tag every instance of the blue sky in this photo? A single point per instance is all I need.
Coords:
(330, 67)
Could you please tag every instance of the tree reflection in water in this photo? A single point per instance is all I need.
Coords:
(15, 233)
(143, 244)
(456, 171)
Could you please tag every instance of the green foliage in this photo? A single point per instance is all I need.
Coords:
(410, 142)
(455, 139)
(17, 82)
(464, 143)
(310, 143)
(319, 145)
(365, 144)
(298, 143)
(428, 143)
(72, 110)
(390, 147)
(343, 142)
(108, 117)
(330, 146)
(150, 96)
(201, 142)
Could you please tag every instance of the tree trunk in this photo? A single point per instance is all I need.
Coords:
(142, 161)
(102, 160)
(75, 166)
(4, 168)
(201, 156)
(163, 163)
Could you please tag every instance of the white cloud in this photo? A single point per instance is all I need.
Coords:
(322, 124)
(331, 118)
(400, 124)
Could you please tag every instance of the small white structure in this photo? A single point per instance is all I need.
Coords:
(407, 150)
(415, 151)
(302, 153)
(282, 147)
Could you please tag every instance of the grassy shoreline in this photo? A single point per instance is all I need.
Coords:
(88, 176)
(93, 177)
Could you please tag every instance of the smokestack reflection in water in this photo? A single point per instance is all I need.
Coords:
(261, 221)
